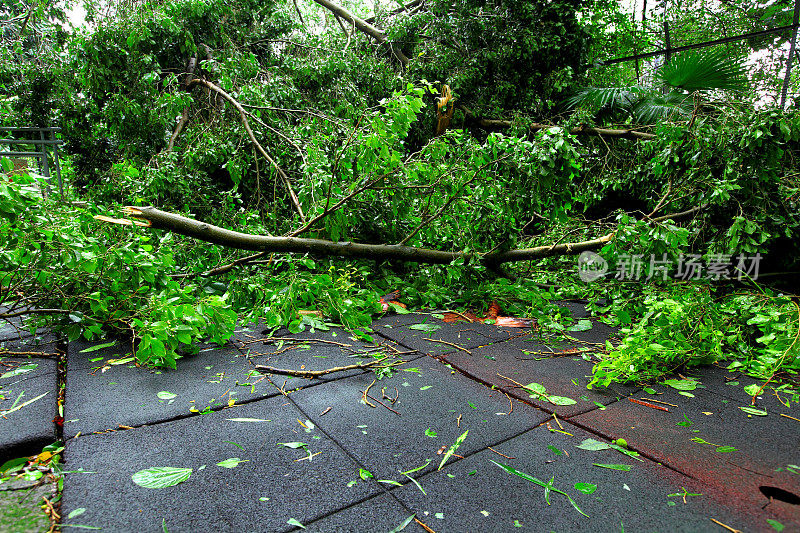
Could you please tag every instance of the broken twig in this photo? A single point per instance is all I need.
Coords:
(650, 405)
(311, 374)
(449, 344)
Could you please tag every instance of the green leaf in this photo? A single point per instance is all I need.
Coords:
(593, 445)
(629, 453)
(450, 451)
(649, 390)
(403, 524)
(364, 474)
(296, 523)
(76, 512)
(753, 389)
(430, 433)
(561, 400)
(233, 462)
(624, 468)
(22, 369)
(166, 395)
(536, 388)
(586, 488)
(726, 449)
(777, 526)
(293, 445)
(98, 347)
(703, 70)
(13, 465)
(581, 325)
(753, 411)
(417, 469)
(399, 309)
(547, 486)
(415, 482)
(159, 477)
(425, 327)
(681, 384)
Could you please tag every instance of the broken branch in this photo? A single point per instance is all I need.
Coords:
(312, 374)
(157, 219)
(366, 28)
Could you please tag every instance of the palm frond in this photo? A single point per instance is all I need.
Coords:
(605, 98)
(696, 70)
(657, 107)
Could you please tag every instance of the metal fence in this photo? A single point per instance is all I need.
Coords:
(38, 143)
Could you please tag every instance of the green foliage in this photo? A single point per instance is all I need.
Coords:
(697, 70)
(497, 56)
(103, 278)
(688, 325)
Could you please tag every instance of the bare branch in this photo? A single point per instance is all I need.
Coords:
(243, 114)
(366, 28)
(311, 374)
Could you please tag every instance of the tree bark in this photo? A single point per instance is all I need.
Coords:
(158, 219)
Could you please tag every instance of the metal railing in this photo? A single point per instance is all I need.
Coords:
(46, 141)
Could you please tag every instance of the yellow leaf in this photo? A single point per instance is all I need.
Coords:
(43, 457)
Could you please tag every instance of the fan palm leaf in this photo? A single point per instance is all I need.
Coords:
(605, 98)
(657, 107)
(702, 71)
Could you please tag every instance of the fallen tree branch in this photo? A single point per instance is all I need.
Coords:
(157, 219)
(499, 124)
(580, 130)
(366, 28)
(312, 374)
(243, 115)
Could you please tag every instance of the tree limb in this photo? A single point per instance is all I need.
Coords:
(366, 28)
(157, 219)
(243, 114)
(580, 130)
(498, 124)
